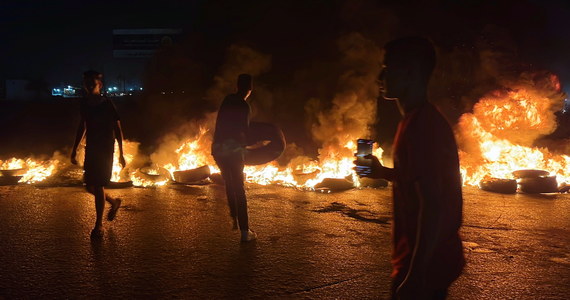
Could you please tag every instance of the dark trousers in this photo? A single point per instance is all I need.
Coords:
(232, 172)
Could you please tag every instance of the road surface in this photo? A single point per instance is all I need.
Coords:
(177, 242)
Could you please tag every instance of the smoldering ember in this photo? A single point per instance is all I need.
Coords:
(500, 80)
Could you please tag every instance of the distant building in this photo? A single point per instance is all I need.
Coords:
(142, 43)
(57, 92)
(72, 92)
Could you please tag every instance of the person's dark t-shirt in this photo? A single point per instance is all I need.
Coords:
(232, 123)
(425, 148)
(100, 119)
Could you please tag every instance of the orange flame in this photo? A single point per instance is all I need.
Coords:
(497, 137)
(130, 150)
(33, 171)
(150, 177)
(335, 162)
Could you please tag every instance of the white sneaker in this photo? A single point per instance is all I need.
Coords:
(248, 236)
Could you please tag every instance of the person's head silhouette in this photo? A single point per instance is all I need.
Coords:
(408, 64)
(92, 82)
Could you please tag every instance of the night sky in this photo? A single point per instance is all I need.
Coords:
(55, 41)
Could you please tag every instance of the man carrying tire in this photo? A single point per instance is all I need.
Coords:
(228, 149)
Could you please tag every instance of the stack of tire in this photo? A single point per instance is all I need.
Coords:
(528, 181)
(536, 181)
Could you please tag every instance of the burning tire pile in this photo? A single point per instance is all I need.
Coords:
(526, 181)
(15, 170)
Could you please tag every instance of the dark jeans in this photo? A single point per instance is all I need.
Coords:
(440, 294)
(232, 172)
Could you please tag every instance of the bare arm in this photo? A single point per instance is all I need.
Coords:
(119, 136)
(78, 137)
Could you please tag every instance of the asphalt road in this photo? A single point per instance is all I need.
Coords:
(178, 242)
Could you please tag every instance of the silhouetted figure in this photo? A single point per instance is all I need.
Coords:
(101, 126)
(427, 251)
(228, 149)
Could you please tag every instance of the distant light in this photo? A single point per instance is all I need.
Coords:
(115, 88)
(110, 89)
(69, 86)
(141, 89)
(130, 89)
(163, 93)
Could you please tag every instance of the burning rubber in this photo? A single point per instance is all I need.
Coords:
(528, 181)
(151, 176)
(192, 175)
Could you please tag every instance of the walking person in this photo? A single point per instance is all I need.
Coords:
(228, 149)
(101, 126)
(427, 253)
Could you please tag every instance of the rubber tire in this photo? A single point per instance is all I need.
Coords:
(335, 184)
(163, 174)
(13, 172)
(259, 132)
(530, 173)
(539, 185)
(9, 180)
(119, 185)
(498, 185)
(373, 183)
(192, 175)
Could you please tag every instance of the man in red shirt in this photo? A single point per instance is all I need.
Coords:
(427, 251)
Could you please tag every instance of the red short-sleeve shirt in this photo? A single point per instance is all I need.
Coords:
(425, 148)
